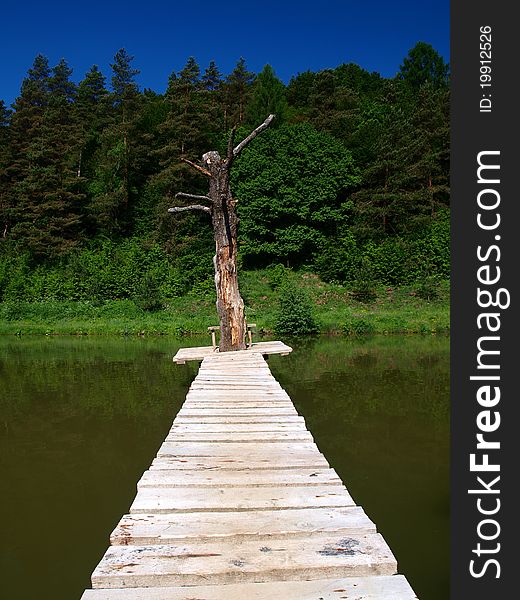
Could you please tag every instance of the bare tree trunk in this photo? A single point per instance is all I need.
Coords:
(230, 306)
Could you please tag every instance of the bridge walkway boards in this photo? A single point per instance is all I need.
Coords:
(240, 503)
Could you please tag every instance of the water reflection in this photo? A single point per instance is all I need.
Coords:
(379, 410)
(81, 419)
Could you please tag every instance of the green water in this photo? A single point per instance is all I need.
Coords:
(82, 418)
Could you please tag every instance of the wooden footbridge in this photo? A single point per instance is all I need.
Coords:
(239, 503)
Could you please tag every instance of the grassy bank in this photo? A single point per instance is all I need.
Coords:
(338, 310)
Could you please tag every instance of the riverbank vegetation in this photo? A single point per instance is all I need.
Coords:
(421, 307)
(345, 198)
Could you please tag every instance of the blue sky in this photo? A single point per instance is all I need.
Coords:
(292, 36)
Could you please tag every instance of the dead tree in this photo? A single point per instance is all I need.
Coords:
(220, 204)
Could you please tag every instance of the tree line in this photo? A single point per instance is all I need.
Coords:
(352, 177)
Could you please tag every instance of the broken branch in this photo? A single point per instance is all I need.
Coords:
(231, 141)
(252, 135)
(192, 196)
(177, 209)
(196, 166)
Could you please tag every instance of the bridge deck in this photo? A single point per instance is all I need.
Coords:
(240, 503)
(185, 354)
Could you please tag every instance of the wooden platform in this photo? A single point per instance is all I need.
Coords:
(262, 348)
(240, 503)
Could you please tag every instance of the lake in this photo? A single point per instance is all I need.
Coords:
(82, 418)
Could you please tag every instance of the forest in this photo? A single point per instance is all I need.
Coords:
(349, 185)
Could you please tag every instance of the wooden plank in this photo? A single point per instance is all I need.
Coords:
(232, 562)
(237, 401)
(255, 370)
(382, 587)
(197, 413)
(242, 411)
(247, 437)
(235, 396)
(186, 427)
(235, 387)
(146, 529)
(245, 383)
(236, 499)
(249, 406)
(267, 450)
(244, 463)
(257, 350)
(232, 478)
(237, 378)
(242, 359)
(225, 375)
(239, 393)
(247, 418)
(237, 405)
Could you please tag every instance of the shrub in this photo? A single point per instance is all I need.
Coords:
(204, 290)
(387, 259)
(427, 287)
(364, 288)
(339, 259)
(358, 326)
(295, 313)
(278, 275)
(148, 295)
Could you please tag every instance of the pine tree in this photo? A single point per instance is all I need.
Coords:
(25, 130)
(268, 97)
(212, 113)
(299, 90)
(28, 113)
(237, 88)
(424, 64)
(407, 179)
(112, 184)
(124, 85)
(183, 133)
(47, 189)
(92, 100)
(5, 159)
(212, 78)
(185, 102)
(93, 114)
(61, 88)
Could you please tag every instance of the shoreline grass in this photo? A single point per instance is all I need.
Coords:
(393, 310)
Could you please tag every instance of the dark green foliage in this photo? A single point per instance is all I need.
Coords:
(123, 78)
(291, 185)
(364, 288)
(236, 91)
(424, 65)
(406, 180)
(358, 326)
(295, 313)
(339, 259)
(46, 190)
(5, 160)
(278, 275)
(105, 272)
(267, 97)
(428, 287)
(353, 172)
(148, 296)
